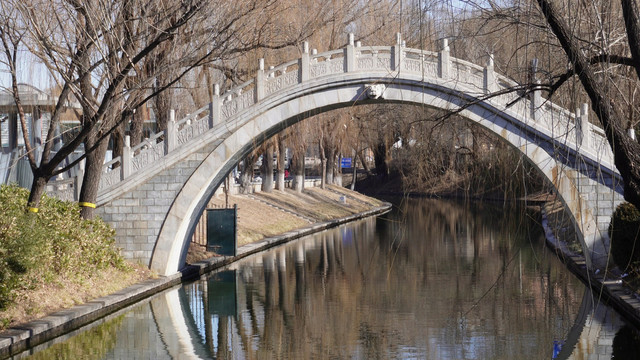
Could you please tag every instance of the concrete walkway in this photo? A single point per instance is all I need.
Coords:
(19, 338)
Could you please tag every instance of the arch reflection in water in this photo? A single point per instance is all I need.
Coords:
(435, 279)
(455, 283)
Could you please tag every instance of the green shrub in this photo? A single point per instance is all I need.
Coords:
(55, 243)
(623, 232)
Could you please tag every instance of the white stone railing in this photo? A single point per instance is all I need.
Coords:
(66, 189)
(395, 61)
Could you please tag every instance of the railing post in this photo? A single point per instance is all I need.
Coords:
(536, 94)
(584, 112)
(214, 109)
(350, 55)
(489, 76)
(260, 81)
(585, 127)
(305, 60)
(396, 51)
(170, 133)
(444, 63)
(126, 157)
(536, 103)
(77, 182)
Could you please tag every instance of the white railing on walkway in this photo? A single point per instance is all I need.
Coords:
(396, 61)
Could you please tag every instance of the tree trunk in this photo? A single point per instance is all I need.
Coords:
(329, 164)
(355, 171)
(297, 162)
(323, 161)
(267, 170)
(626, 151)
(37, 189)
(92, 173)
(246, 177)
(281, 163)
(380, 159)
(136, 131)
(162, 106)
(363, 161)
(337, 176)
(118, 141)
(632, 25)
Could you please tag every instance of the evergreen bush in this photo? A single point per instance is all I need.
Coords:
(623, 232)
(54, 243)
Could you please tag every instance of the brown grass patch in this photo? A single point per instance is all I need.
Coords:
(257, 219)
(62, 293)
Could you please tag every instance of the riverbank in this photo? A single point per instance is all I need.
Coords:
(608, 284)
(321, 209)
(262, 215)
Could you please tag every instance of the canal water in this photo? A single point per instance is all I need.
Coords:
(431, 280)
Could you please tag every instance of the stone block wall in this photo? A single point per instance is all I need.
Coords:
(138, 215)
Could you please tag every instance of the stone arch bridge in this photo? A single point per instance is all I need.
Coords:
(156, 196)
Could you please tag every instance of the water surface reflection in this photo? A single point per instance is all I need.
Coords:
(434, 279)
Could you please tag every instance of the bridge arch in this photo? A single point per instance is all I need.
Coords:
(572, 154)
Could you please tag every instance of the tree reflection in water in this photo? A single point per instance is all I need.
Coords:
(433, 279)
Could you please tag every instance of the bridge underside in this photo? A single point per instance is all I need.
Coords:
(155, 213)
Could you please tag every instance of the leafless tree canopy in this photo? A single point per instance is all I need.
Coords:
(122, 60)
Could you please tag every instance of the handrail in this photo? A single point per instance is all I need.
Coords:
(393, 60)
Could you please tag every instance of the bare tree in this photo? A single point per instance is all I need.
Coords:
(298, 146)
(601, 44)
(267, 166)
(90, 48)
(626, 150)
(281, 161)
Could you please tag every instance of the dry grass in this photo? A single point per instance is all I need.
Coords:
(357, 196)
(65, 293)
(257, 219)
(321, 204)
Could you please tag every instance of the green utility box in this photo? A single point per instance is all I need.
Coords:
(222, 231)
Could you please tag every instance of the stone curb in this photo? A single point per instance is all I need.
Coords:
(19, 338)
(618, 296)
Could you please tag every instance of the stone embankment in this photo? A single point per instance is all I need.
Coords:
(294, 215)
(607, 284)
